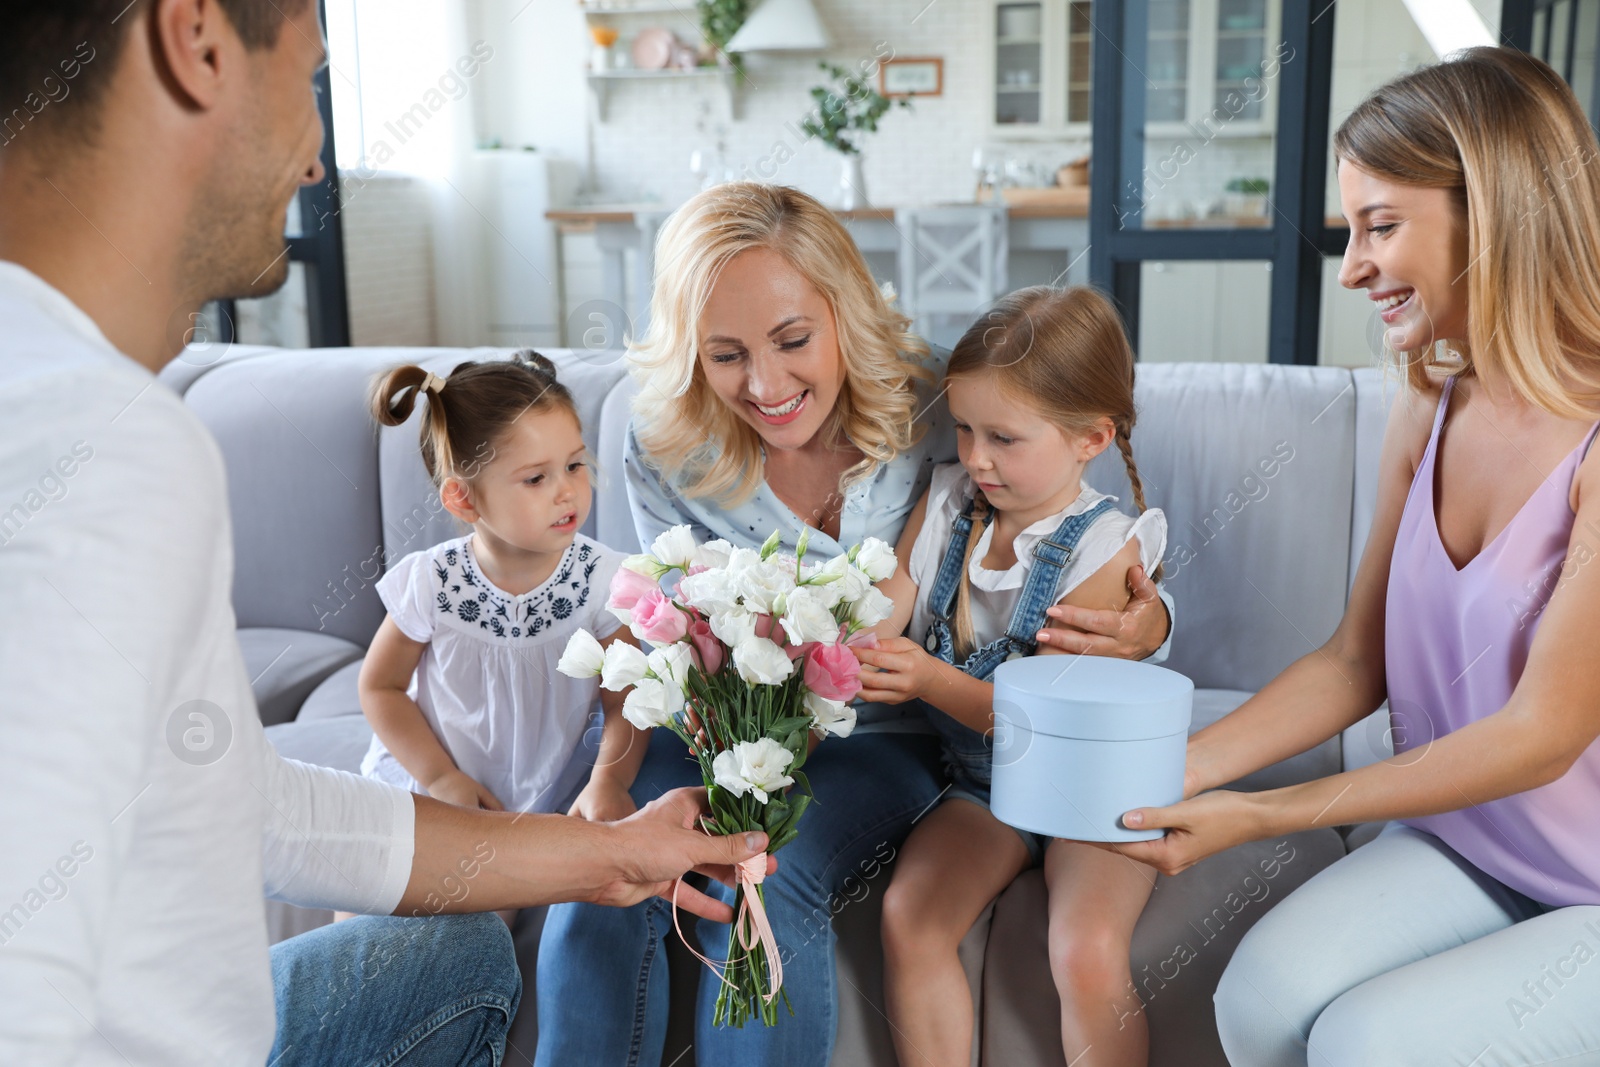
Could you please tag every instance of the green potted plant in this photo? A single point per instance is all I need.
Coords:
(1247, 197)
(845, 112)
(719, 21)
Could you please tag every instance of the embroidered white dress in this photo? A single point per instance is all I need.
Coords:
(487, 682)
(994, 594)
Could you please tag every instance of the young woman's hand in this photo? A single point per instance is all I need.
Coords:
(901, 670)
(454, 787)
(1196, 828)
(603, 800)
(1132, 633)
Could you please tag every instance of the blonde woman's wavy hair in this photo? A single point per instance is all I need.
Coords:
(1501, 130)
(684, 429)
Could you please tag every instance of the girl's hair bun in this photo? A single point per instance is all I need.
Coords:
(535, 362)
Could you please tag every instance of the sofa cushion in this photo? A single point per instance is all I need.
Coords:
(1253, 466)
(1374, 394)
(1317, 762)
(1181, 944)
(286, 665)
(339, 742)
(615, 517)
(302, 487)
(336, 697)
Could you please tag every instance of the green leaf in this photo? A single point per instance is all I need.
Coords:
(780, 730)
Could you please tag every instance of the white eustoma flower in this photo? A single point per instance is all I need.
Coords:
(583, 656)
(645, 564)
(851, 583)
(733, 626)
(675, 547)
(713, 554)
(754, 767)
(671, 663)
(761, 662)
(872, 608)
(741, 559)
(830, 716)
(709, 592)
(761, 587)
(807, 617)
(624, 666)
(876, 559)
(650, 704)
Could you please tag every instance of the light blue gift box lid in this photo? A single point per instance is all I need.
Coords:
(1079, 740)
(1096, 698)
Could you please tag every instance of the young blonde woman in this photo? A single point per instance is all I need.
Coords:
(779, 390)
(1467, 932)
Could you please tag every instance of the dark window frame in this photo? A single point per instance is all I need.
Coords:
(319, 245)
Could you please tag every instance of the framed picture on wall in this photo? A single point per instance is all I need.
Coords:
(911, 77)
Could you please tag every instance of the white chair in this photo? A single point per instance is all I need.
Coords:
(952, 265)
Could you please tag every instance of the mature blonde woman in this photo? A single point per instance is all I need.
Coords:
(779, 390)
(1467, 932)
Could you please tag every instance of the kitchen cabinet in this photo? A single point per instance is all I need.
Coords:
(1204, 311)
(1199, 52)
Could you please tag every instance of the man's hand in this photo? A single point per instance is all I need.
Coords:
(901, 670)
(454, 787)
(603, 800)
(1133, 633)
(662, 842)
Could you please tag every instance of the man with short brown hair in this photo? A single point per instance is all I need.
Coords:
(148, 153)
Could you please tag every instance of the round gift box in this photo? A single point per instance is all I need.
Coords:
(1079, 740)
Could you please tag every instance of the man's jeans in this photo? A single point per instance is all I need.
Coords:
(432, 992)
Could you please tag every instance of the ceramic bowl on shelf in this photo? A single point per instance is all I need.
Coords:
(653, 48)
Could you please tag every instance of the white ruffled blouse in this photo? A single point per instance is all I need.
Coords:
(487, 682)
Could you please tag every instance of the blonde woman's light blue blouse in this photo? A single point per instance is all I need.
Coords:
(875, 506)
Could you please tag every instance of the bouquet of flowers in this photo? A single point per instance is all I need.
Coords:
(750, 654)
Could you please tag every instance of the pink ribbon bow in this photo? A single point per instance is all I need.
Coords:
(751, 926)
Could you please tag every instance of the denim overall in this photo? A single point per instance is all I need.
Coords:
(967, 753)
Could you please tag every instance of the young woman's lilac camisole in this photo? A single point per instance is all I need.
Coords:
(1456, 642)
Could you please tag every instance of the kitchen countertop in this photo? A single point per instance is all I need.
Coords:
(581, 216)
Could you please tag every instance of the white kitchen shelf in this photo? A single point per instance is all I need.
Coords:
(638, 7)
(602, 81)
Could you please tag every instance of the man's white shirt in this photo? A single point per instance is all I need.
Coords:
(145, 815)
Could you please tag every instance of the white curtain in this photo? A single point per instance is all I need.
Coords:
(404, 74)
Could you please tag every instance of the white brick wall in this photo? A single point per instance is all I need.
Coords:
(388, 247)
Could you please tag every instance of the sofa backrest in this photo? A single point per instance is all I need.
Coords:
(321, 500)
(1266, 474)
(1253, 466)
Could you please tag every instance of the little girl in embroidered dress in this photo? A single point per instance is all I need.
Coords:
(1037, 388)
(460, 683)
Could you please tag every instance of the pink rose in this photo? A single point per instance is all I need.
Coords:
(862, 639)
(799, 651)
(708, 650)
(627, 587)
(832, 671)
(657, 619)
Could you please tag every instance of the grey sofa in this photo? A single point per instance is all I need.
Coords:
(1267, 475)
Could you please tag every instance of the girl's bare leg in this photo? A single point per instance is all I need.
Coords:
(955, 862)
(1095, 899)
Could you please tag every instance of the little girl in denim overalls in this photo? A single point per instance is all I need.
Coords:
(1041, 384)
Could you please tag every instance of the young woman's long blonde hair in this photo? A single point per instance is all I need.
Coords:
(690, 434)
(1501, 129)
(1064, 354)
